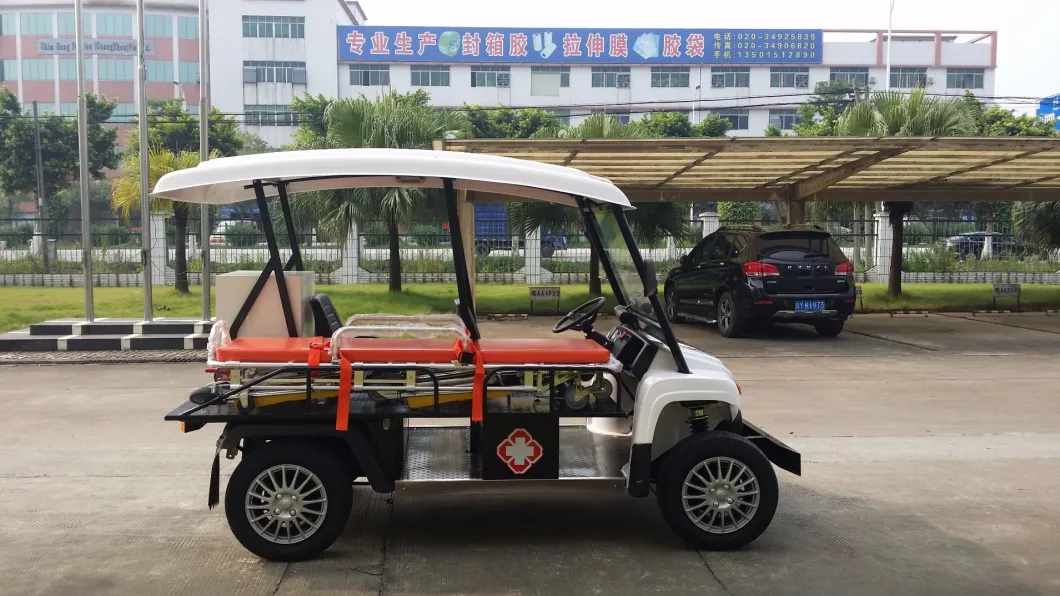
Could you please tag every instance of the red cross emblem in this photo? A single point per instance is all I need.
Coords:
(520, 451)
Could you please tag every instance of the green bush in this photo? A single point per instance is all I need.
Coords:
(916, 232)
(242, 235)
(111, 235)
(936, 259)
(17, 235)
(427, 235)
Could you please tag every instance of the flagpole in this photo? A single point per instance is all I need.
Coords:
(82, 151)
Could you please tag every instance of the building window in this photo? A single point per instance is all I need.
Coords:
(36, 23)
(260, 115)
(784, 119)
(611, 76)
(491, 76)
(908, 78)
(669, 76)
(193, 110)
(7, 23)
(159, 71)
(430, 76)
(788, 76)
(37, 69)
(8, 70)
(114, 25)
(621, 115)
(964, 78)
(738, 118)
(369, 75)
(282, 27)
(65, 25)
(852, 75)
(124, 113)
(562, 71)
(114, 70)
(68, 109)
(188, 27)
(267, 71)
(730, 76)
(157, 25)
(188, 72)
(562, 115)
(68, 69)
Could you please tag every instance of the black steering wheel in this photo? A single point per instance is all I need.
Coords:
(580, 318)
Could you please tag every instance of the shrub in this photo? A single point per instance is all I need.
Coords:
(111, 235)
(242, 235)
(427, 235)
(936, 259)
(18, 235)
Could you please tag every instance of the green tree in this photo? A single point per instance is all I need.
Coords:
(890, 113)
(171, 126)
(667, 124)
(253, 144)
(396, 121)
(772, 131)
(506, 123)
(59, 149)
(125, 197)
(818, 116)
(713, 125)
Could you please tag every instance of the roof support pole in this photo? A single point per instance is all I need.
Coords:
(796, 209)
(466, 212)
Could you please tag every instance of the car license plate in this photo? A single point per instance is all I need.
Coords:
(809, 305)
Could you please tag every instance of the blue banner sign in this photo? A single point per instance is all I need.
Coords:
(579, 46)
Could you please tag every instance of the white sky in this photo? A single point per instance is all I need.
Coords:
(1028, 36)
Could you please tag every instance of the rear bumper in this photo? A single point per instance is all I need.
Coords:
(796, 315)
(781, 307)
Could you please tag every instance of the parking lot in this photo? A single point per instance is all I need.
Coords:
(931, 465)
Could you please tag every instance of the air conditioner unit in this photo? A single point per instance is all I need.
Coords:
(298, 76)
(717, 81)
(802, 81)
(622, 81)
(250, 74)
(504, 79)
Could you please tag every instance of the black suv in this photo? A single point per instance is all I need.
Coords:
(742, 277)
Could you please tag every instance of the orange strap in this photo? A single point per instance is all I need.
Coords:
(342, 409)
(317, 348)
(478, 391)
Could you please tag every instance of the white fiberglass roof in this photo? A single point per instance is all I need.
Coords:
(229, 179)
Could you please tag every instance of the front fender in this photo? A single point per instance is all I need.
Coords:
(659, 389)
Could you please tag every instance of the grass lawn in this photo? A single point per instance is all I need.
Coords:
(19, 307)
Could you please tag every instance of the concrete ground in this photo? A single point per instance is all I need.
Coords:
(931, 466)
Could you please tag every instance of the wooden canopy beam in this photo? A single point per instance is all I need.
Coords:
(980, 166)
(819, 182)
(695, 163)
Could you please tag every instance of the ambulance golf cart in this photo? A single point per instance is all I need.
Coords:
(314, 412)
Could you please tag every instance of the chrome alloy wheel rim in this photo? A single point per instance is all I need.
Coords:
(720, 495)
(286, 504)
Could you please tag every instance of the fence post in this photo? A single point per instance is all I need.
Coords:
(159, 250)
(884, 234)
(532, 256)
(351, 255)
(710, 221)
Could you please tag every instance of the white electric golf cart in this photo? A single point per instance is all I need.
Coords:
(314, 411)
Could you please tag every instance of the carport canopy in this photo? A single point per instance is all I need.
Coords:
(798, 169)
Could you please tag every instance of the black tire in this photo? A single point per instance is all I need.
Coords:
(482, 249)
(334, 477)
(679, 464)
(670, 306)
(731, 325)
(547, 250)
(829, 328)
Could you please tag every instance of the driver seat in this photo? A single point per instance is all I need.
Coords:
(326, 320)
(543, 351)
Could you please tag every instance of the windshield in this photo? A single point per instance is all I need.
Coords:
(627, 278)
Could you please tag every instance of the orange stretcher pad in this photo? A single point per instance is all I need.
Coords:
(297, 350)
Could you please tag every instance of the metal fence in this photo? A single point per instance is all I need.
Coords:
(934, 250)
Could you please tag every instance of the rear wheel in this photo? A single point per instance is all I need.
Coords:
(482, 249)
(717, 491)
(289, 500)
(829, 328)
(730, 322)
(670, 304)
(547, 250)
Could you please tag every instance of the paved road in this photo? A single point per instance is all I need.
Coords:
(932, 466)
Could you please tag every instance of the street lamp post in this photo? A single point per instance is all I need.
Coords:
(82, 150)
(145, 162)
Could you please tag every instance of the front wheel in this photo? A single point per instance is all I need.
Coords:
(547, 250)
(717, 491)
(829, 328)
(289, 500)
(670, 305)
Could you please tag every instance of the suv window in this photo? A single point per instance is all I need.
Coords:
(721, 248)
(798, 246)
(701, 252)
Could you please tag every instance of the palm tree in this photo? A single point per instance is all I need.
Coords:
(891, 113)
(393, 121)
(1039, 223)
(125, 197)
(649, 221)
